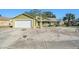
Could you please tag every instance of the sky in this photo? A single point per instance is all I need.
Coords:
(60, 13)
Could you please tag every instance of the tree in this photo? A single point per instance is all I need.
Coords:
(48, 14)
(35, 12)
(40, 13)
(64, 18)
(69, 17)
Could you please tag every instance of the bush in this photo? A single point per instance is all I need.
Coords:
(78, 25)
(66, 24)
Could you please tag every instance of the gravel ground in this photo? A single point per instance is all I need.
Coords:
(46, 38)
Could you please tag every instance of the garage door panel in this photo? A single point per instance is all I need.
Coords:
(23, 24)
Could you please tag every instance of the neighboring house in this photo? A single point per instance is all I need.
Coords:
(61, 23)
(71, 22)
(27, 21)
(77, 22)
(4, 21)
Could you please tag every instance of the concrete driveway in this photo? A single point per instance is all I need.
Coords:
(38, 39)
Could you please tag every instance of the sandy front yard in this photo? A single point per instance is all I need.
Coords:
(46, 38)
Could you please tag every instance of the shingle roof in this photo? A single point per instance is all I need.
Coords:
(52, 19)
(49, 20)
(4, 18)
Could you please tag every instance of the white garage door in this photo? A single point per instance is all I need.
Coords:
(23, 24)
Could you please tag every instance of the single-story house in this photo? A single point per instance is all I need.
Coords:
(47, 22)
(61, 23)
(27, 21)
(23, 21)
(4, 22)
(77, 22)
(71, 22)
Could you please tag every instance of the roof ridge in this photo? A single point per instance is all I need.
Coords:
(28, 15)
